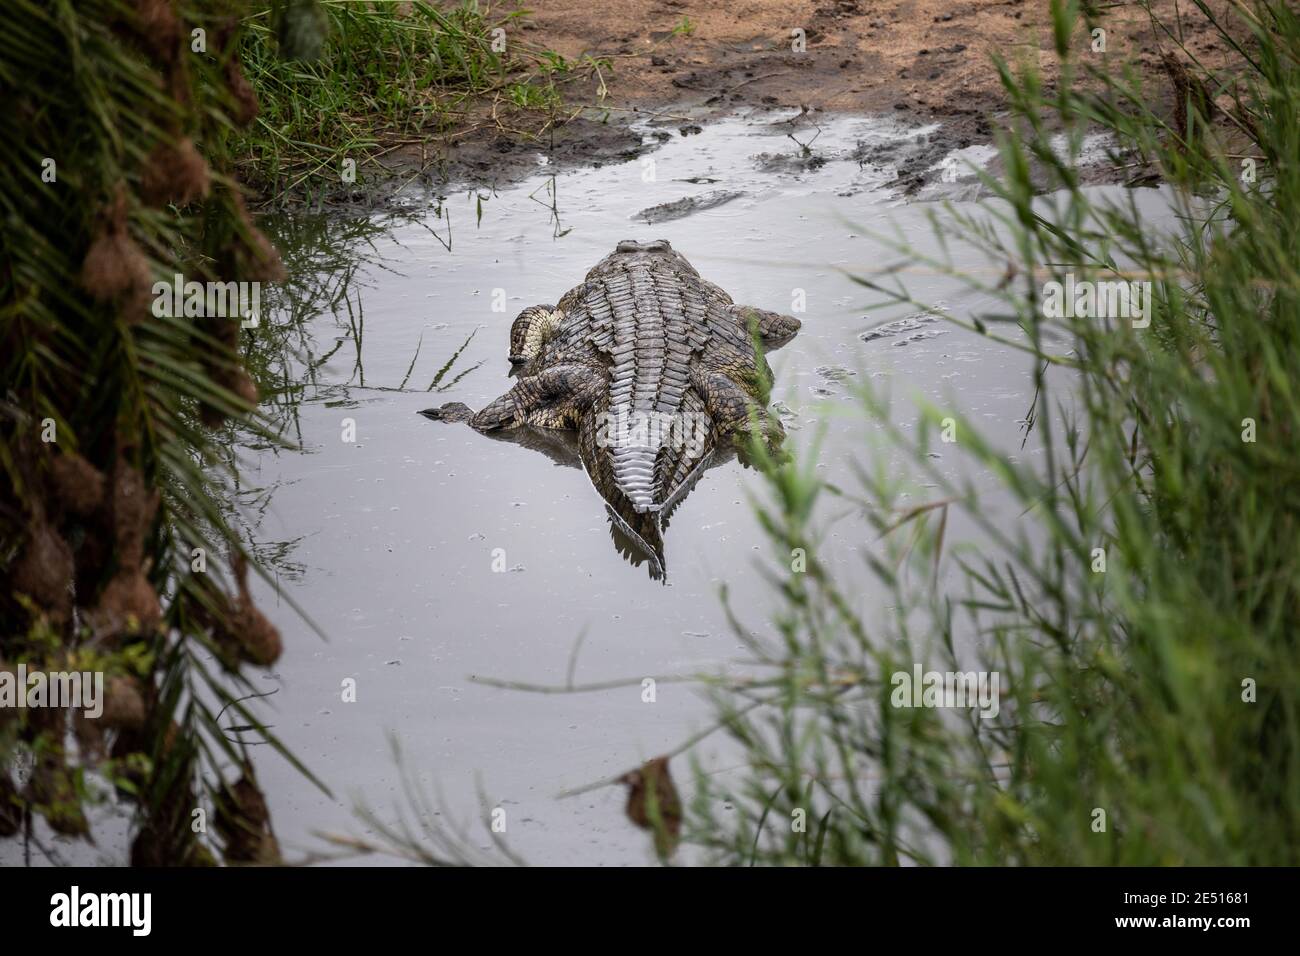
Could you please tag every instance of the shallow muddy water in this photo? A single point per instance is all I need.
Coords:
(398, 532)
(394, 541)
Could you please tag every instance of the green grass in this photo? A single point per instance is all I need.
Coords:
(387, 77)
(1162, 692)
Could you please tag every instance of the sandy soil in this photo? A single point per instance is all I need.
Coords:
(863, 56)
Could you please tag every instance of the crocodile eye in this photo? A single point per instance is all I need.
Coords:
(628, 245)
(659, 245)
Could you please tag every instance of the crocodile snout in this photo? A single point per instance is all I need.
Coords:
(451, 412)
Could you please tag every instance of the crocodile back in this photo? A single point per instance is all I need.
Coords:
(645, 320)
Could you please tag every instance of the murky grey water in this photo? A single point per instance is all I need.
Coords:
(397, 532)
(393, 536)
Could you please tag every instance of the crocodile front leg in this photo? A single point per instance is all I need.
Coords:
(555, 398)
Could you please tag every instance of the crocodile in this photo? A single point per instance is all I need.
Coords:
(655, 373)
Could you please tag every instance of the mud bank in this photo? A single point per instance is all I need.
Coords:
(668, 66)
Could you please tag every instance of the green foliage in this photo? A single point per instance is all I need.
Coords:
(1164, 690)
(387, 75)
(533, 97)
(107, 193)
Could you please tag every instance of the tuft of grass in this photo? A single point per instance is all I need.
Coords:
(684, 27)
(388, 76)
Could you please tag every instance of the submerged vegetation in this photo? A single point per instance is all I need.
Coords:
(1139, 600)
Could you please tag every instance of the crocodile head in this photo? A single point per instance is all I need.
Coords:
(631, 252)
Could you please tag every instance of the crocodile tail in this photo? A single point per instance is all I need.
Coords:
(634, 518)
(638, 535)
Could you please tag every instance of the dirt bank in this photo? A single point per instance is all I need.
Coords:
(680, 63)
(931, 57)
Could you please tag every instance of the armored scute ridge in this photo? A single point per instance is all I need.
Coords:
(657, 371)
